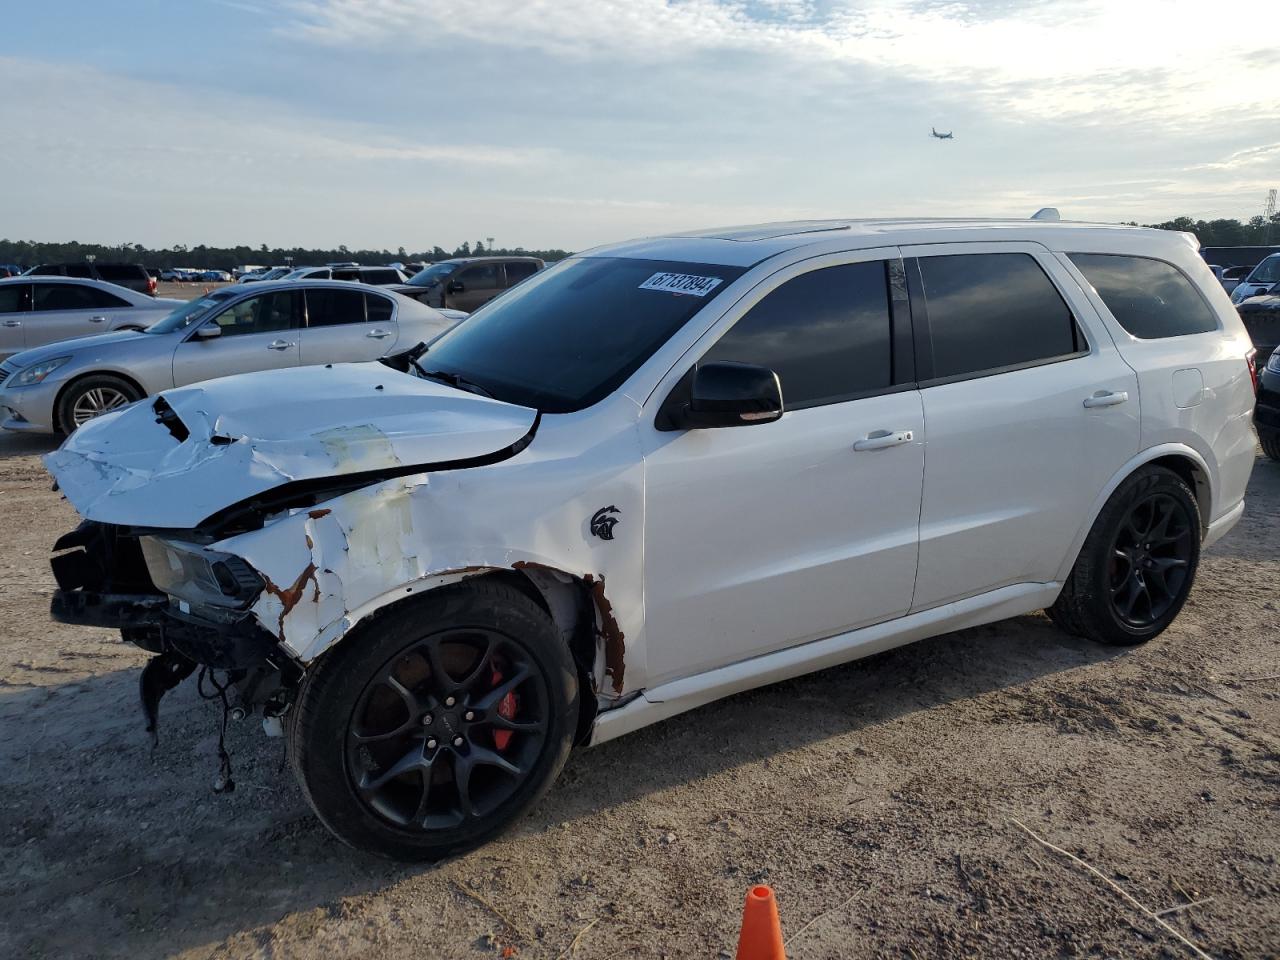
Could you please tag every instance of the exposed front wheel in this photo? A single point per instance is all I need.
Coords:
(92, 397)
(1137, 565)
(1270, 444)
(437, 724)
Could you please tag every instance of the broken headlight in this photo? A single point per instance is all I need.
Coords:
(200, 576)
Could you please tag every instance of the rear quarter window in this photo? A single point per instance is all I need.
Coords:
(1151, 299)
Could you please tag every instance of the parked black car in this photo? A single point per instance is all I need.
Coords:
(131, 275)
(1261, 316)
(467, 283)
(1266, 415)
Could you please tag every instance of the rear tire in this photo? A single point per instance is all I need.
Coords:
(1137, 564)
(1270, 444)
(433, 690)
(93, 396)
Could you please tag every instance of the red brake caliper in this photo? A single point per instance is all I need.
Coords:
(507, 708)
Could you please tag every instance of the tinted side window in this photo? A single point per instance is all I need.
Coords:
(1149, 298)
(380, 276)
(265, 314)
(81, 270)
(328, 308)
(14, 297)
(48, 270)
(520, 270)
(116, 272)
(481, 277)
(347, 273)
(379, 308)
(992, 310)
(825, 333)
(64, 296)
(109, 300)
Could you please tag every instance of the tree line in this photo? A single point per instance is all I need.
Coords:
(28, 253)
(1256, 231)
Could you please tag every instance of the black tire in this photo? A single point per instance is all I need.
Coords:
(1270, 444)
(1137, 564)
(115, 391)
(344, 758)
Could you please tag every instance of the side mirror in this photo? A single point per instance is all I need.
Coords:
(731, 395)
(209, 331)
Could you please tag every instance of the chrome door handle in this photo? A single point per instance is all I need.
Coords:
(881, 439)
(377, 334)
(96, 319)
(13, 323)
(279, 345)
(1106, 398)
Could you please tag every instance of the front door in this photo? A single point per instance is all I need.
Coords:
(257, 333)
(1030, 412)
(767, 536)
(473, 286)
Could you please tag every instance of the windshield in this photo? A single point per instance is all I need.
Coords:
(570, 335)
(1268, 271)
(189, 313)
(432, 274)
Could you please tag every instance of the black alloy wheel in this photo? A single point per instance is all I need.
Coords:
(435, 724)
(448, 729)
(1150, 559)
(1137, 564)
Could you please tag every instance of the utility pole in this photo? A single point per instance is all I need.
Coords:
(488, 241)
(1269, 211)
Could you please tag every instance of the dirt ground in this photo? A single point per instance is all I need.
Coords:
(878, 799)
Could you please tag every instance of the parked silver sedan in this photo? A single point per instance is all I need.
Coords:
(36, 310)
(56, 388)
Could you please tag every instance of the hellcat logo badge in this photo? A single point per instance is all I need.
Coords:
(603, 521)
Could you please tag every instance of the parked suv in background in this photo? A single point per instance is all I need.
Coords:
(131, 275)
(1266, 416)
(467, 283)
(660, 473)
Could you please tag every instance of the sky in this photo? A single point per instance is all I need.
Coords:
(569, 123)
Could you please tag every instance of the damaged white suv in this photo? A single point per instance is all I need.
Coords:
(659, 473)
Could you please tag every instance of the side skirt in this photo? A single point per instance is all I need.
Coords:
(677, 696)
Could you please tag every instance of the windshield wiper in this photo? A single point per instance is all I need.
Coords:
(453, 380)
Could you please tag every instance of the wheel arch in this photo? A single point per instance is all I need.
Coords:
(576, 603)
(66, 387)
(1183, 460)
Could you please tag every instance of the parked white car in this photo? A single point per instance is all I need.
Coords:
(789, 446)
(1261, 280)
(37, 310)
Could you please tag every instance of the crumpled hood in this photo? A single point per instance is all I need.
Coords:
(250, 433)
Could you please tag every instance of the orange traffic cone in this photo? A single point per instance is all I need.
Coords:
(761, 937)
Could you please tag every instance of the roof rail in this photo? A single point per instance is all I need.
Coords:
(1047, 213)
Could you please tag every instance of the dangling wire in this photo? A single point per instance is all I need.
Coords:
(223, 783)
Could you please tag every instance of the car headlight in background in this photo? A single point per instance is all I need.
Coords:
(200, 576)
(29, 376)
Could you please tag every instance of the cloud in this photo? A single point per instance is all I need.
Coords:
(1265, 154)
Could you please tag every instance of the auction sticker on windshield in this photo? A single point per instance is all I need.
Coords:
(681, 283)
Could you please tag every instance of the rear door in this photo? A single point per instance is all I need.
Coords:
(62, 310)
(1030, 411)
(15, 306)
(340, 329)
(473, 286)
(518, 270)
(257, 333)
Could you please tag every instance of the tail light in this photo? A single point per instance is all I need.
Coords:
(151, 285)
(1251, 361)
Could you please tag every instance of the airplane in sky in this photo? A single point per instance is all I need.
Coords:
(941, 136)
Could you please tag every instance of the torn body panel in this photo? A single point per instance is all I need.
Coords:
(136, 467)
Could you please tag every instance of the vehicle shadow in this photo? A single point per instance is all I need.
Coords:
(26, 444)
(112, 844)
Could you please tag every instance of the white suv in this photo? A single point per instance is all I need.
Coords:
(659, 473)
